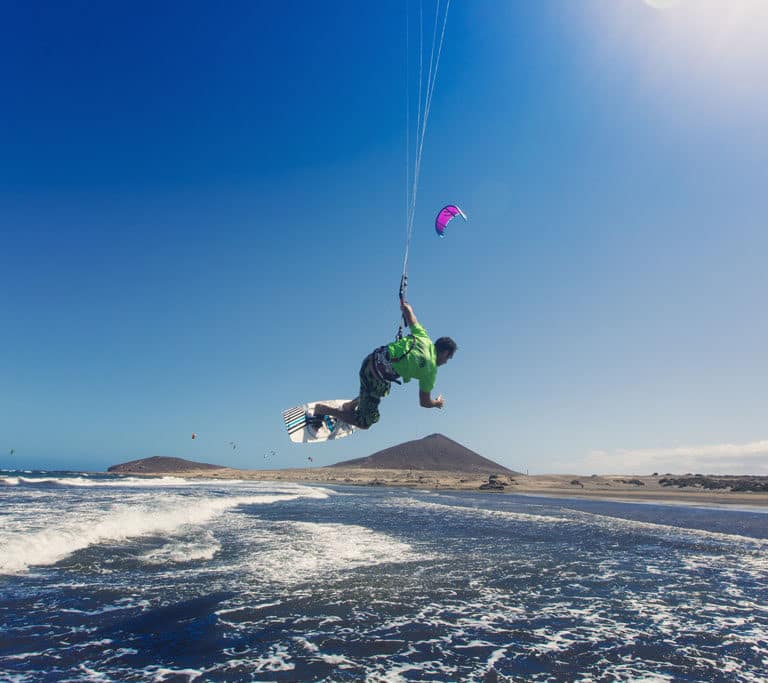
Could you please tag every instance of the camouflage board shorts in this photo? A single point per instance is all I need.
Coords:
(372, 390)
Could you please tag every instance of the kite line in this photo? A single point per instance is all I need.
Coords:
(426, 91)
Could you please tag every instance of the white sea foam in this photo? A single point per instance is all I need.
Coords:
(135, 482)
(293, 552)
(393, 674)
(120, 522)
(118, 606)
(157, 483)
(337, 660)
(162, 674)
(79, 481)
(86, 525)
(277, 658)
(181, 550)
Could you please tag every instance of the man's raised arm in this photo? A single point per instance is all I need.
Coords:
(408, 315)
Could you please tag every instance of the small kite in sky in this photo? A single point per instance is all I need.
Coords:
(445, 216)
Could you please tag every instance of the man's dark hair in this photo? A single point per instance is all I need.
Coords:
(445, 344)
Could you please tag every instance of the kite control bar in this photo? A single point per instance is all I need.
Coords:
(403, 288)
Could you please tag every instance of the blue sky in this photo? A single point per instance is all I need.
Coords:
(202, 222)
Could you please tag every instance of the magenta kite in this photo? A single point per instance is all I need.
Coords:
(445, 216)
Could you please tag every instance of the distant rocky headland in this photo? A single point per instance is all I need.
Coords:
(160, 465)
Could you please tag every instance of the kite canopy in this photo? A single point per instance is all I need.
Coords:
(446, 215)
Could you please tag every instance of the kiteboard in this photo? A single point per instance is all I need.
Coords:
(320, 428)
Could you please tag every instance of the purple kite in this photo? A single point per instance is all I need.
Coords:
(446, 215)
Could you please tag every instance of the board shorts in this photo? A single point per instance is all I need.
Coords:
(372, 390)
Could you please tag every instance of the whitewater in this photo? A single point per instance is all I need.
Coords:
(107, 578)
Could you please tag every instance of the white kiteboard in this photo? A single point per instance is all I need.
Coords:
(322, 428)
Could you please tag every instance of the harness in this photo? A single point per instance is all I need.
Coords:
(381, 362)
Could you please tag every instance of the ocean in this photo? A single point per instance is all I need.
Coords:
(106, 578)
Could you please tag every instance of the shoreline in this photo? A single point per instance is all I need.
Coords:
(622, 488)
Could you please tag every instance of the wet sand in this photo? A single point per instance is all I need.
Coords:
(606, 487)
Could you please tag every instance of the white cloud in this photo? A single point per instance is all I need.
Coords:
(745, 458)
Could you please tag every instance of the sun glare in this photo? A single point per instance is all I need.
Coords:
(661, 4)
(714, 47)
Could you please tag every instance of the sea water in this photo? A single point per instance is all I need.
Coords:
(106, 578)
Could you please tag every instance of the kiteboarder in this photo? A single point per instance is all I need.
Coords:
(413, 356)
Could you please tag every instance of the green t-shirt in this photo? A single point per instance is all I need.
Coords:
(420, 361)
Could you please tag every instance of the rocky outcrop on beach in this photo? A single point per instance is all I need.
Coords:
(712, 483)
(494, 483)
(434, 452)
(161, 465)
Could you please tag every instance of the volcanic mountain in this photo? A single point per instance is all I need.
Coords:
(433, 452)
(159, 464)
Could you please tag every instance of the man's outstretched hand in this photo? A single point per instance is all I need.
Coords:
(426, 401)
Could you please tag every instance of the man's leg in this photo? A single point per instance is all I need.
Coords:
(367, 411)
(351, 405)
(362, 411)
(372, 390)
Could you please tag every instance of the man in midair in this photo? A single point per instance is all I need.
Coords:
(412, 357)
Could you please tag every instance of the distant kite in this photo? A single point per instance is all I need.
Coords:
(194, 436)
(13, 450)
(309, 457)
(446, 215)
